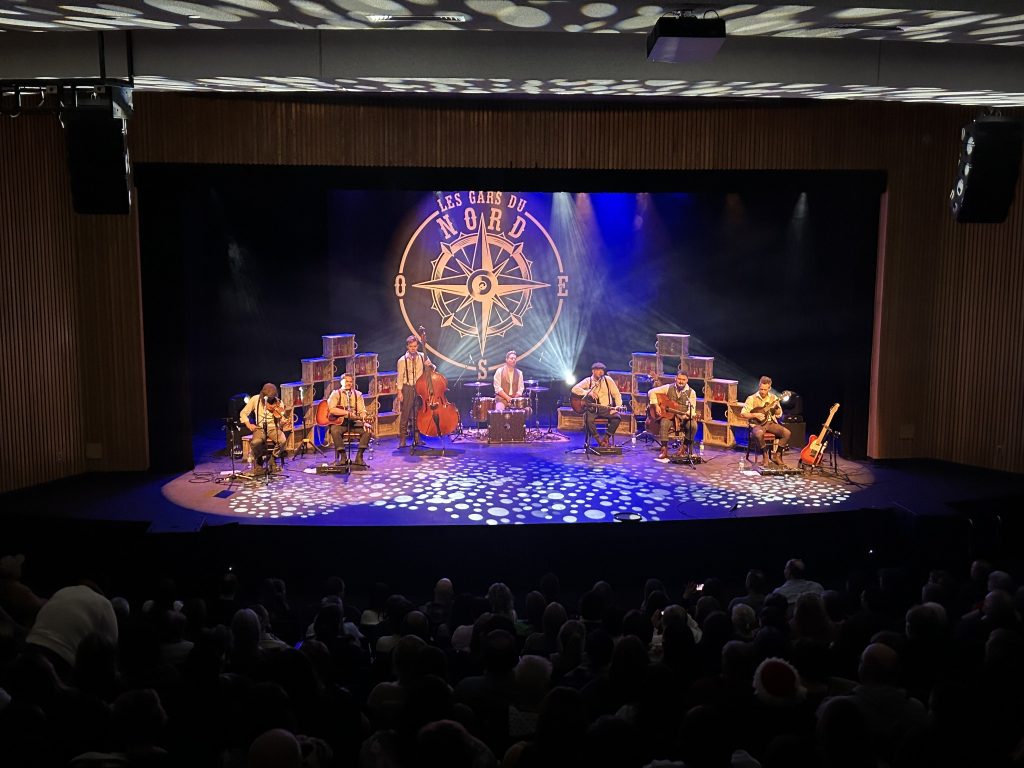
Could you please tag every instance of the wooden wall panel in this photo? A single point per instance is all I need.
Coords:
(114, 426)
(40, 365)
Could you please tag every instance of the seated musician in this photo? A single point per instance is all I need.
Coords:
(763, 409)
(675, 406)
(347, 403)
(270, 422)
(508, 382)
(601, 398)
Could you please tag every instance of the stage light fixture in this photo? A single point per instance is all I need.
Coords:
(686, 37)
(569, 378)
(792, 405)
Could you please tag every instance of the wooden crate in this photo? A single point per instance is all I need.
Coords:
(570, 421)
(296, 393)
(733, 415)
(639, 404)
(623, 380)
(317, 369)
(672, 344)
(720, 390)
(387, 424)
(646, 364)
(718, 433)
(363, 364)
(698, 367)
(386, 383)
(340, 345)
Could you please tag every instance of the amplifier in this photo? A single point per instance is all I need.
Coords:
(506, 427)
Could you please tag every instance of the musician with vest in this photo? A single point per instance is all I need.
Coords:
(763, 409)
(675, 406)
(270, 423)
(348, 404)
(601, 399)
(508, 382)
(410, 368)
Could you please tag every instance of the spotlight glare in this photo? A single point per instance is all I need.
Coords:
(570, 377)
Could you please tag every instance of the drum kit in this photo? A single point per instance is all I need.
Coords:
(517, 412)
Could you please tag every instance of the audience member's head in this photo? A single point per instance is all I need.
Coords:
(925, 622)
(277, 748)
(500, 598)
(756, 583)
(777, 683)
(879, 665)
(795, 569)
(533, 679)
(744, 621)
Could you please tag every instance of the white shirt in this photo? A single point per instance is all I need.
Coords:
(351, 399)
(410, 368)
(605, 393)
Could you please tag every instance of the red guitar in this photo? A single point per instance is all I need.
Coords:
(814, 451)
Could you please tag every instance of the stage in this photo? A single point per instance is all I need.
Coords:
(552, 481)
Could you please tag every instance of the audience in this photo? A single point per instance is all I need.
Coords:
(875, 671)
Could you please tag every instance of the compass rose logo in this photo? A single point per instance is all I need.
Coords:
(483, 281)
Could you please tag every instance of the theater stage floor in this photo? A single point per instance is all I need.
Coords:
(494, 485)
(476, 484)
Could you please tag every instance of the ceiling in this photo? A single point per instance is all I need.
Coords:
(951, 51)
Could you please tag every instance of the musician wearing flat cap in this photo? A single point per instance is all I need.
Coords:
(601, 399)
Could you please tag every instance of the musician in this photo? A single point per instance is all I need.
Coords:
(603, 391)
(763, 409)
(680, 397)
(269, 422)
(508, 382)
(348, 403)
(410, 368)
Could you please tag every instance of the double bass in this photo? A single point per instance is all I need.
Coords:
(436, 415)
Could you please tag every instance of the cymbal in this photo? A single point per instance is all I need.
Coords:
(531, 382)
(536, 389)
(477, 384)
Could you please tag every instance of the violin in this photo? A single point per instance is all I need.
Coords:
(436, 415)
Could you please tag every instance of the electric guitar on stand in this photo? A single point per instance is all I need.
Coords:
(814, 451)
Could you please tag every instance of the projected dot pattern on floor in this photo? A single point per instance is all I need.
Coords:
(516, 485)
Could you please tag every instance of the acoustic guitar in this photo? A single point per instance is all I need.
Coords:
(763, 413)
(670, 409)
(814, 451)
(324, 417)
(583, 404)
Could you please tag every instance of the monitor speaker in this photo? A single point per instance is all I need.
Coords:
(98, 162)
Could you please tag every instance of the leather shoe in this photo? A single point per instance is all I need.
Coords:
(664, 452)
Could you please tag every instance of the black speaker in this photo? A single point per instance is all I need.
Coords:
(990, 152)
(97, 162)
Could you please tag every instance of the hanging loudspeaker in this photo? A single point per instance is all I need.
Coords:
(97, 162)
(990, 153)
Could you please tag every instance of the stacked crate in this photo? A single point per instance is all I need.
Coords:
(322, 375)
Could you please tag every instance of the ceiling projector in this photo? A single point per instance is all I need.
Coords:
(677, 39)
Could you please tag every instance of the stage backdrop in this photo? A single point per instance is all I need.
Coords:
(245, 269)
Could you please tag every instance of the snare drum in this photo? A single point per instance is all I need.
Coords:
(482, 407)
(519, 403)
